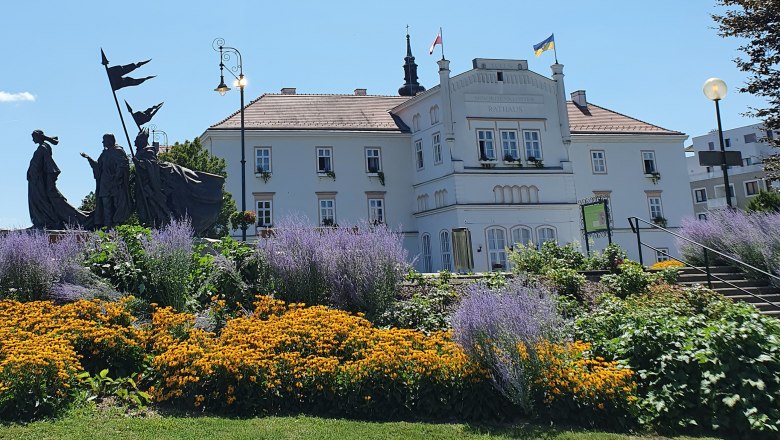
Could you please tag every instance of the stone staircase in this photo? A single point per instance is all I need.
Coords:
(761, 288)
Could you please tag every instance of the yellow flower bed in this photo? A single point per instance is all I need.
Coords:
(668, 264)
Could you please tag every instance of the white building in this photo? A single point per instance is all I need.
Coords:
(746, 181)
(432, 165)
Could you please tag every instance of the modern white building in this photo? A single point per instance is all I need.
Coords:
(486, 158)
(746, 181)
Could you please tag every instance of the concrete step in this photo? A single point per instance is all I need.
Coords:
(702, 277)
(775, 298)
(716, 284)
(713, 269)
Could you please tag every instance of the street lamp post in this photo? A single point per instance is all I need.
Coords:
(225, 55)
(155, 132)
(715, 89)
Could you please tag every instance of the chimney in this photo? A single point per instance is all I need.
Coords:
(288, 90)
(360, 92)
(578, 97)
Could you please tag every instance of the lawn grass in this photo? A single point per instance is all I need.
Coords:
(87, 425)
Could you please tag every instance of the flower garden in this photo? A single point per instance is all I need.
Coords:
(332, 322)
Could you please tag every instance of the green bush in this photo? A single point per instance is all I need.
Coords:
(704, 364)
(609, 259)
(630, 280)
(566, 281)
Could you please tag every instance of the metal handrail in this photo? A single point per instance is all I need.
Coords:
(635, 229)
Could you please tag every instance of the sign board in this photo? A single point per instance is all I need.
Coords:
(715, 158)
(595, 216)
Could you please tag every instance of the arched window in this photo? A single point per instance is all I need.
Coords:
(416, 122)
(446, 255)
(435, 114)
(521, 235)
(496, 239)
(426, 253)
(546, 233)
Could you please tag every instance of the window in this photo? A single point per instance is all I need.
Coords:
(509, 144)
(262, 160)
(376, 211)
(437, 148)
(750, 138)
(435, 114)
(418, 154)
(327, 212)
(747, 161)
(711, 146)
(324, 159)
(265, 217)
(654, 204)
(648, 162)
(599, 161)
(373, 160)
(545, 234)
(422, 202)
(499, 76)
(446, 255)
(486, 149)
(533, 146)
(521, 235)
(700, 194)
(752, 188)
(662, 254)
(721, 192)
(727, 143)
(702, 216)
(426, 254)
(496, 238)
(416, 122)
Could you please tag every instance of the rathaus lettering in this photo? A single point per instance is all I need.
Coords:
(505, 109)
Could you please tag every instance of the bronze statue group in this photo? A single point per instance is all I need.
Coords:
(163, 190)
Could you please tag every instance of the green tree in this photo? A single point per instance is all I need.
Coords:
(192, 155)
(765, 201)
(758, 22)
(88, 202)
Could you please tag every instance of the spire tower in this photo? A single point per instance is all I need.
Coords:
(411, 87)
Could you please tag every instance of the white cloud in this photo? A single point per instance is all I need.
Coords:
(16, 97)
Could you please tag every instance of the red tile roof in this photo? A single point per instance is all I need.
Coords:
(598, 120)
(318, 112)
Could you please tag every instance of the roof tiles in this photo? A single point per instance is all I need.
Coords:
(598, 120)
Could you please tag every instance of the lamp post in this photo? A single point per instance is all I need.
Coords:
(225, 55)
(155, 132)
(715, 89)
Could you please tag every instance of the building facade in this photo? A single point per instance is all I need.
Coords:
(746, 181)
(487, 158)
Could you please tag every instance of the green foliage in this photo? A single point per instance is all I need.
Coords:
(429, 307)
(192, 155)
(704, 364)
(609, 259)
(118, 256)
(631, 279)
(88, 202)
(242, 220)
(101, 386)
(765, 201)
(566, 281)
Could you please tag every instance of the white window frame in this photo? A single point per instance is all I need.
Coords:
(509, 144)
(264, 211)
(696, 198)
(660, 256)
(598, 164)
(702, 216)
(758, 187)
(496, 246)
(374, 153)
(327, 154)
(425, 245)
(436, 138)
(532, 144)
(722, 188)
(419, 159)
(542, 236)
(486, 144)
(655, 207)
(446, 250)
(649, 155)
(327, 210)
(376, 210)
(517, 235)
(262, 154)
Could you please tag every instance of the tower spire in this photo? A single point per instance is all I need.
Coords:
(411, 87)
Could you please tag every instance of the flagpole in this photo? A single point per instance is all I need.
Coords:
(116, 101)
(442, 43)
(555, 49)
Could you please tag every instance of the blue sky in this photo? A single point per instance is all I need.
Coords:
(644, 59)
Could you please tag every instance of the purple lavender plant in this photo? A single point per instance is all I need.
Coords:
(167, 262)
(501, 328)
(356, 269)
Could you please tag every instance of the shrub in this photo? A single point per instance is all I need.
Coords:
(765, 201)
(703, 362)
(609, 259)
(668, 264)
(632, 279)
(357, 269)
(550, 255)
(287, 357)
(118, 256)
(166, 264)
(32, 262)
(751, 237)
(501, 329)
(566, 281)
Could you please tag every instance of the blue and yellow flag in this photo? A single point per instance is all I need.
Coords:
(547, 44)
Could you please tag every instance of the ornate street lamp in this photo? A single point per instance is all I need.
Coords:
(155, 133)
(225, 53)
(715, 90)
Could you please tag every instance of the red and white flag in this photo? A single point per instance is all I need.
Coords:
(435, 42)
